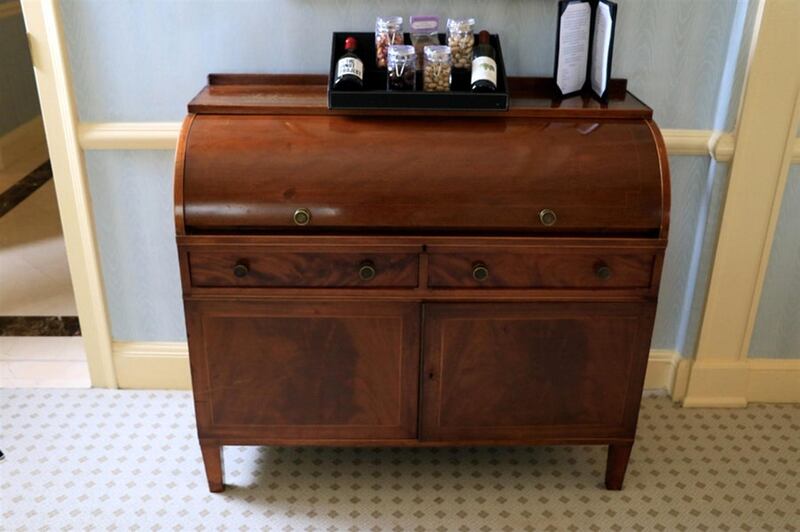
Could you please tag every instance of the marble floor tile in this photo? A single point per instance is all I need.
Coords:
(34, 274)
(22, 189)
(39, 326)
(44, 374)
(42, 348)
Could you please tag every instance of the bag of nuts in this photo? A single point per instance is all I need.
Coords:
(436, 74)
(424, 31)
(388, 31)
(461, 40)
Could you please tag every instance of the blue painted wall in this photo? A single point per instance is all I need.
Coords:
(19, 102)
(777, 329)
(143, 60)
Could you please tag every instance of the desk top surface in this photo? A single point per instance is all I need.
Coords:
(279, 94)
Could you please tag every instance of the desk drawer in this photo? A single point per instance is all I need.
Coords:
(322, 269)
(570, 268)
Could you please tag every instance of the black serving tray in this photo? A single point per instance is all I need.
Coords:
(375, 95)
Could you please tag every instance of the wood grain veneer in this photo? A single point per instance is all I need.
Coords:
(291, 343)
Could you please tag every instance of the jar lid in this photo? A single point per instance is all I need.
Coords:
(387, 23)
(438, 52)
(402, 52)
(460, 24)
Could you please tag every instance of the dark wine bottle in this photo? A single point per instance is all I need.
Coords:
(484, 66)
(349, 68)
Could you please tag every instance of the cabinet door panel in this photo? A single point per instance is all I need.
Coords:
(528, 371)
(306, 369)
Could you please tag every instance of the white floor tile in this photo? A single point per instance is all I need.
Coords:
(45, 374)
(7, 344)
(42, 348)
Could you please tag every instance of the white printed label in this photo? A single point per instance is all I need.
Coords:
(350, 65)
(484, 68)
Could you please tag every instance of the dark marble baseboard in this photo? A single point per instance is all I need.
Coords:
(39, 326)
(23, 188)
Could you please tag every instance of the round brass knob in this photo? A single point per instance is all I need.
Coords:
(241, 269)
(480, 272)
(301, 216)
(602, 271)
(366, 271)
(547, 217)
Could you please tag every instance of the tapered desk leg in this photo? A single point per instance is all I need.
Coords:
(617, 463)
(212, 458)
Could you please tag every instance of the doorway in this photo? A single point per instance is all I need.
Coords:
(40, 337)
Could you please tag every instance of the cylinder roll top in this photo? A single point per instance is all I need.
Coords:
(278, 173)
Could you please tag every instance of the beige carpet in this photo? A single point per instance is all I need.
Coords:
(123, 460)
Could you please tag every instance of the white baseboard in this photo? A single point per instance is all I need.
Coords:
(707, 384)
(662, 367)
(152, 365)
(165, 365)
(735, 383)
(17, 142)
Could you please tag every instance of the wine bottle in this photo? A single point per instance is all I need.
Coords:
(484, 66)
(349, 68)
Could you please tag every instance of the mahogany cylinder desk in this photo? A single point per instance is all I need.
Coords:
(388, 278)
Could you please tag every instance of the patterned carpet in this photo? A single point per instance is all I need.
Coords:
(127, 460)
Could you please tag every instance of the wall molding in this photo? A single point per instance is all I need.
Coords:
(765, 145)
(165, 365)
(796, 151)
(735, 383)
(129, 135)
(23, 138)
(719, 383)
(152, 365)
(10, 9)
(164, 136)
(50, 62)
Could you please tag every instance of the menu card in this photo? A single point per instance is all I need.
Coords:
(584, 45)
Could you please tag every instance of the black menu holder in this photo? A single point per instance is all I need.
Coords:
(584, 46)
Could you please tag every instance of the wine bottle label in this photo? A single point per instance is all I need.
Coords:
(484, 68)
(350, 65)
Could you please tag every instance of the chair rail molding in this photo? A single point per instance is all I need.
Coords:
(164, 136)
(129, 135)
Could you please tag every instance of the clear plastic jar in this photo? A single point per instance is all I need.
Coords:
(388, 31)
(402, 68)
(461, 40)
(436, 74)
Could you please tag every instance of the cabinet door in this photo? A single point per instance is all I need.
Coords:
(538, 371)
(305, 370)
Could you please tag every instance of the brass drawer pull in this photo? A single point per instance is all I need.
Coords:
(547, 217)
(366, 271)
(241, 269)
(480, 272)
(603, 271)
(301, 216)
